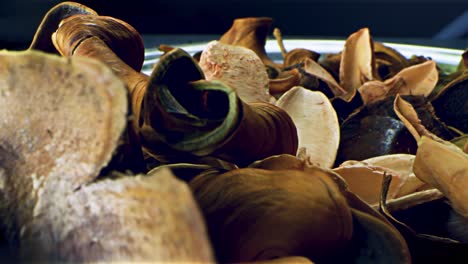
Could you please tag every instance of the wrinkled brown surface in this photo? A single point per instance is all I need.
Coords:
(256, 214)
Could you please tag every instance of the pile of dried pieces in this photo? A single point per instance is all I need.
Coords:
(228, 156)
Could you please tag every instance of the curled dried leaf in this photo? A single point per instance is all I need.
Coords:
(50, 22)
(123, 39)
(189, 117)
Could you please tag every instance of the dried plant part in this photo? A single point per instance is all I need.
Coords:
(279, 39)
(182, 115)
(463, 65)
(256, 214)
(313, 68)
(123, 39)
(122, 50)
(280, 162)
(419, 79)
(409, 117)
(461, 142)
(284, 82)
(238, 67)
(388, 61)
(298, 55)
(365, 181)
(50, 22)
(428, 241)
(401, 165)
(251, 33)
(450, 102)
(364, 178)
(356, 66)
(284, 260)
(447, 176)
(331, 62)
(54, 206)
(383, 243)
(445, 167)
(316, 123)
(66, 144)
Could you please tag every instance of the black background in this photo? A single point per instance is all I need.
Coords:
(314, 18)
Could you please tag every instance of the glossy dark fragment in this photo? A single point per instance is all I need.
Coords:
(452, 106)
(375, 130)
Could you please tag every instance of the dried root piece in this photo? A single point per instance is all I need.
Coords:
(63, 146)
(238, 67)
(50, 159)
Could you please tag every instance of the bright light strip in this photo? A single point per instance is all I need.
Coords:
(440, 55)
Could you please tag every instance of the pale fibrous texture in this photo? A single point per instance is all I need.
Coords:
(238, 67)
(62, 120)
(317, 125)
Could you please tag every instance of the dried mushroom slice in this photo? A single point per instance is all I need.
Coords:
(42, 38)
(317, 125)
(238, 67)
